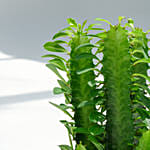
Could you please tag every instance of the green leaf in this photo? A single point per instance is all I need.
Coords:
(60, 34)
(53, 68)
(83, 24)
(72, 22)
(57, 90)
(60, 42)
(142, 61)
(68, 125)
(81, 130)
(66, 107)
(54, 47)
(80, 147)
(145, 100)
(99, 35)
(141, 75)
(96, 117)
(85, 45)
(103, 20)
(65, 147)
(101, 29)
(120, 18)
(129, 25)
(92, 25)
(148, 31)
(85, 103)
(79, 27)
(86, 55)
(93, 83)
(97, 144)
(143, 113)
(64, 86)
(62, 109)
(86, 70)
(144, 141)
(140, 51)
(54, 56)
(96, 130)
(130, 20)
(58, 63)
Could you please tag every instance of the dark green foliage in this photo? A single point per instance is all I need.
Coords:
(139, 57)
(116, 70)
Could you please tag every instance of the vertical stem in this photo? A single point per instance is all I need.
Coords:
(81, 91)
(116, 64)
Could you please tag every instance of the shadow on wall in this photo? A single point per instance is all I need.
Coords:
(26, 97)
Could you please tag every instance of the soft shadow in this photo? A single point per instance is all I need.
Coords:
(26, 97)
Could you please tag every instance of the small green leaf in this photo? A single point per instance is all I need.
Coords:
(79, 27)
(60, 42)
(96, 117)
(66, 107)
(99, 35)
(65, 147)
(62, 109)
(144, 141)
(57, 90)
(120, 18)
(58, 63)
(130, 20)
(81, 130)
(148, 31)
(64, 86)
(53, 68)
(54, 47)
(60, 34)
(141, 75)
(97, 144)
(86, 70)
(145, 100)
(80, 147)
(140, 51)
(92, 25)
(96, 130)
(92, 83)
(143, 113)
(85, 45)
(83, 24)
(54, 56)
(86, 55)
(142, 61)
(129, 25)
(85, 103)
(101, 29)
(103, 20)
(72, 22)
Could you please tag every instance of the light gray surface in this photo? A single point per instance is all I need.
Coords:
(28, 122)
(26, 24)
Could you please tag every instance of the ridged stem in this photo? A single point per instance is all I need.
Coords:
(81, 91)
(116, 64)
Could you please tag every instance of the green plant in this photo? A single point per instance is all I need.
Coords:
(116, 71)
(109, 114)
(144, 141)
(77, 91)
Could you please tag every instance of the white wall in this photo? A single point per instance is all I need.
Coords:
(27, 121)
